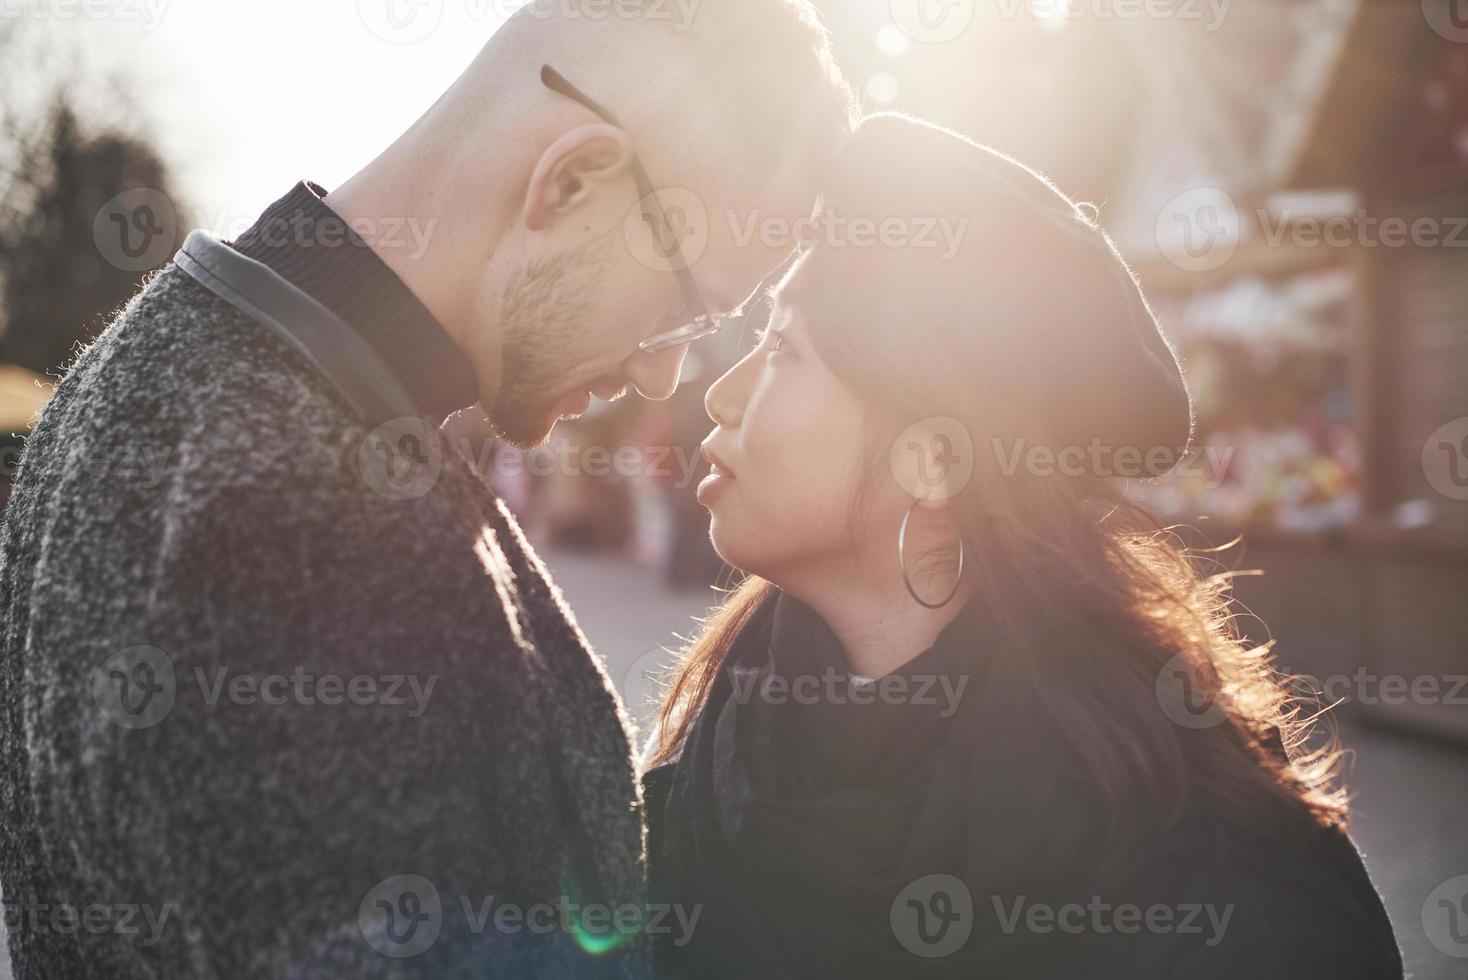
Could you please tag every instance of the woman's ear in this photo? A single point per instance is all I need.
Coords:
(572, 169)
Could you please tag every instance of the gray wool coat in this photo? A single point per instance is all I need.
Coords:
(262, 720)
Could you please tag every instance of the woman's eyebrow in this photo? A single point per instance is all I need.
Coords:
(786, 323)
(784, 299)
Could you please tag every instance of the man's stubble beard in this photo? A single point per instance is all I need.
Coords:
(546, 313)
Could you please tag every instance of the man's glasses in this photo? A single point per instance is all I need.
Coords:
(704, 322)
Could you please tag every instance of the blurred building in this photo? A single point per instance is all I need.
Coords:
(1330, 354)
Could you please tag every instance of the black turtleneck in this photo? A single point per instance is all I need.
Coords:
(303, 240)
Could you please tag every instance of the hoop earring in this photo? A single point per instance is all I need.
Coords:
(902, 562)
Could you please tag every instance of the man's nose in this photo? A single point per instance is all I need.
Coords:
(726, 397)
(655, 376)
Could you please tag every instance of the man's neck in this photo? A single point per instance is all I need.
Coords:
(438, 243)
(425, 230)
(305, 242)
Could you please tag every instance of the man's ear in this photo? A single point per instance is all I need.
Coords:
(572, 169)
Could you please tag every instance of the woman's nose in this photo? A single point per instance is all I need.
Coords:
(726, 398)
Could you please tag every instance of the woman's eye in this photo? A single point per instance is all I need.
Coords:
(776, 343)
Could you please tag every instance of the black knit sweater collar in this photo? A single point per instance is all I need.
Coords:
(303, 240)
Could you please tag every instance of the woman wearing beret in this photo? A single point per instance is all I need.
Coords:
(972, 713)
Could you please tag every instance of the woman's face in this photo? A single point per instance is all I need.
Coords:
(787, 458)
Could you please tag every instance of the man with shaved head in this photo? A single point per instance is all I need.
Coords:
(554, 275)
(285, 692)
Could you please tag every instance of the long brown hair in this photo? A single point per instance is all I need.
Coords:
(1096, 598)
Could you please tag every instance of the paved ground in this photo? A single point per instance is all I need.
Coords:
(1410, 795)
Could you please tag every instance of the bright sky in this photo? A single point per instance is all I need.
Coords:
(245, 97)
(248, 96)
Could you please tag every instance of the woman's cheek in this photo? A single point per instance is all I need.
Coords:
(815, 464)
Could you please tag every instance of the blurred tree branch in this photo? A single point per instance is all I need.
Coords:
(58, 171)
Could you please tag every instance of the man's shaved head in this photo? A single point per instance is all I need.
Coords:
(742, 93)
(546, 265)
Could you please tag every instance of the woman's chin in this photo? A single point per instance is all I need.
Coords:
(738, 550)
(727, 543)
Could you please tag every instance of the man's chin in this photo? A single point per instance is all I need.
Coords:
(523, 431)
(522, 438)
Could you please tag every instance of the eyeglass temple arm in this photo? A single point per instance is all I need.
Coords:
(557, 82)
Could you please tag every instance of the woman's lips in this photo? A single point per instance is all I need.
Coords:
(720, 478)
